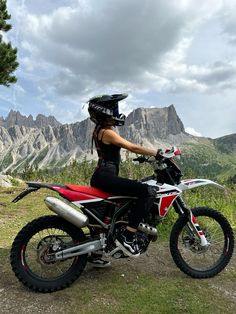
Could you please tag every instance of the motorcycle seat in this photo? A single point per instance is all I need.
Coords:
(88, 190)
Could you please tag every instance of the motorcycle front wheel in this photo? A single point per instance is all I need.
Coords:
(202, 261)
(32, 250)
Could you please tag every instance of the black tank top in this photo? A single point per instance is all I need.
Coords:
(106, 152)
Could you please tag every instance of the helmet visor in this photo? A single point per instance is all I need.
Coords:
(116, 111)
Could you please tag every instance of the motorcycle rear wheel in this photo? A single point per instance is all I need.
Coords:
(30, 254)
(193, 259)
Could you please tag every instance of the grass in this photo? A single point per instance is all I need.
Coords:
(145, 285)
(224, 200)
(146, 294)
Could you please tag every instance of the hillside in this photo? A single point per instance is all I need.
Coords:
(208, 161)
(226, 144)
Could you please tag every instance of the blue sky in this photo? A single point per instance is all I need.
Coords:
(159, 52)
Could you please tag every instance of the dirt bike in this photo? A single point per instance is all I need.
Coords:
(51, 252)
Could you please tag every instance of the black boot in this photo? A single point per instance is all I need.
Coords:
(127, 242)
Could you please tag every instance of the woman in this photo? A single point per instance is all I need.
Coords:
(104, 113)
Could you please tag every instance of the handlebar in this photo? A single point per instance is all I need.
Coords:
(169, 153)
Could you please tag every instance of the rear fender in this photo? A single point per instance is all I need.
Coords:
(195, 183)
(24, 193)
(33, 187)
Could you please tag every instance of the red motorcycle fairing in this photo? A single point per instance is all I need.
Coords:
(165, 203)
(80, 193)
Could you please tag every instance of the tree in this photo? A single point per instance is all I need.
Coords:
(8, 54)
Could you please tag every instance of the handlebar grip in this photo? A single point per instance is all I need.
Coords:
(140, 159)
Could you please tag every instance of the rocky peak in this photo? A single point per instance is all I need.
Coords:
(175, 125)
(152, 123)
(1, 121)
(16, 118)
(42, 121)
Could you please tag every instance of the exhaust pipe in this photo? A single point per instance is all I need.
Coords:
(147, 229)
(66, 211)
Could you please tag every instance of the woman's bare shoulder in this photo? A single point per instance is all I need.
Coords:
(106, 132)
(112, 137)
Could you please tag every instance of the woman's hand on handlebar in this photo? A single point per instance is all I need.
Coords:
(160, 155)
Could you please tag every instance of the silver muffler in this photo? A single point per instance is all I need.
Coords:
(66, 211)
(147, 229)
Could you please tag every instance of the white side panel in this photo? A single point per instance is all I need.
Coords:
(195, 183)
(164, 187)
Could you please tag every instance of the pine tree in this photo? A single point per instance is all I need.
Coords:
(8, 54)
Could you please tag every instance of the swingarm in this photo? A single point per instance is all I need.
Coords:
(81, 249)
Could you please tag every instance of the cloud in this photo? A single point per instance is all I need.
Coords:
(160, 52)
(83, 47)
(132, 43)
(4, 37)
(49, 105)
(192, 131)
(228, 20)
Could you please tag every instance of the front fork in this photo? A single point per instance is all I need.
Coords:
(194, 226)
(181, 208)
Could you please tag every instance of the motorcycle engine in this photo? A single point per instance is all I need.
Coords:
(143, 241)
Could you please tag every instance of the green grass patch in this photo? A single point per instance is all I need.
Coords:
(147, 294)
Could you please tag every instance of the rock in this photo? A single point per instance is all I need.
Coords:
(16, 118)
(5, 181)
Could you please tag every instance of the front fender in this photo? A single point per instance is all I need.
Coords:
(195, 183)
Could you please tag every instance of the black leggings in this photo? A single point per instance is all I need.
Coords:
(106, 178)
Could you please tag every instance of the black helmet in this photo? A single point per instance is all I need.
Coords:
(104, 110)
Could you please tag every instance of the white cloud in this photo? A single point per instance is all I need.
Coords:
(192, 131)
(135, 45)
(138, 43)
(228, 20)
(49, 105)
(4, 37)
(160, 52)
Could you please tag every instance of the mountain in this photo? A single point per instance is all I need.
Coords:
(226, 144)
(154, 126)
(51, 146)
(16, 118)
(56, 145)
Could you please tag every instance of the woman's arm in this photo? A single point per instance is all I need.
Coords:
(111, 137)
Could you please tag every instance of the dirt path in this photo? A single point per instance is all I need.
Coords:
(14, 298)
